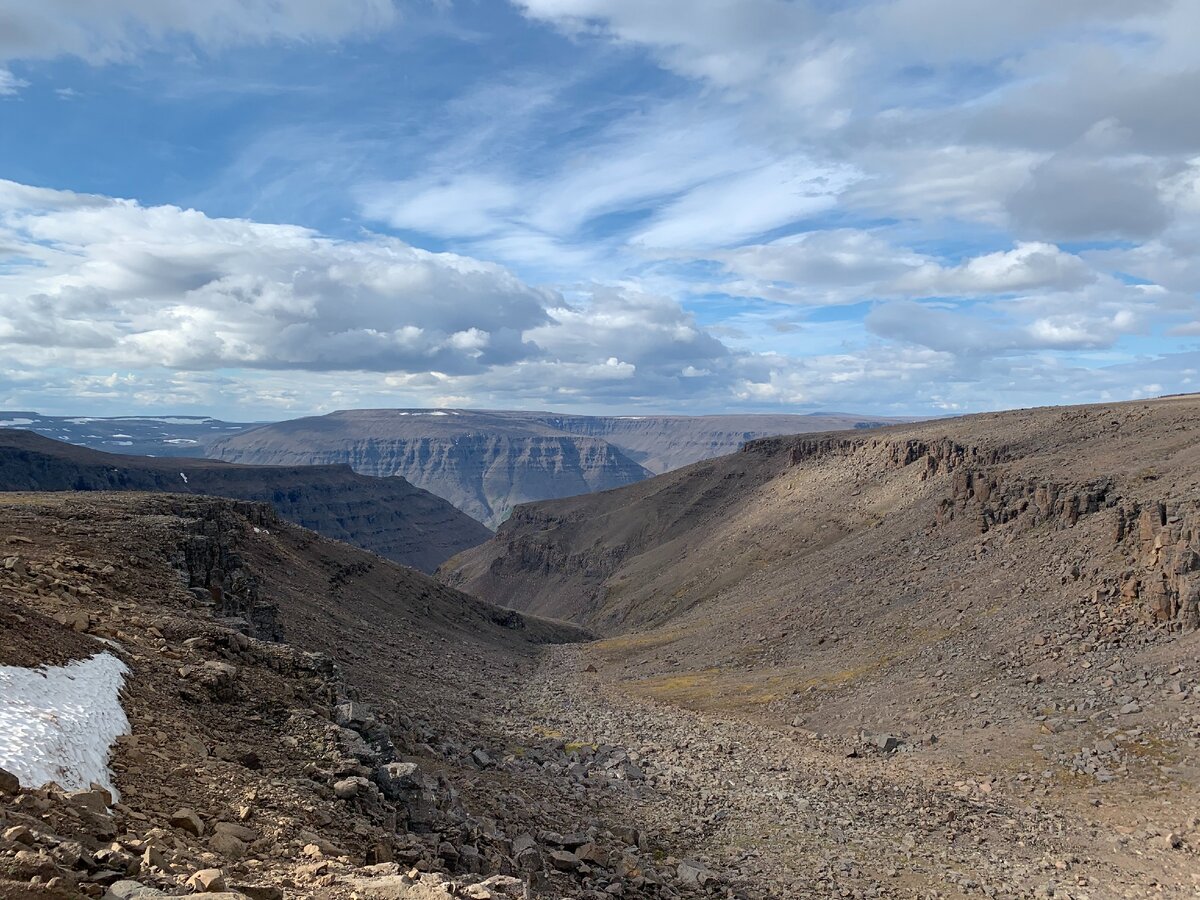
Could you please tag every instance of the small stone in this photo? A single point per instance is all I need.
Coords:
(481, 758)
(18, 834)
(346, 789)
(564, 860)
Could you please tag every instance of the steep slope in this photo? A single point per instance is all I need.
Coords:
(483, 463)
(135, 435)
(385, 515)
(302, 716)
(1004, 606)
(663, 443)
(788, 502)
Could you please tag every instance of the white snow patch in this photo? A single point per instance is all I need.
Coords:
(4, 423)
(121, 443)
(167, 420)
(179, 441)
(80, 421)
(57, 723)
(184, 477)
(122, 435)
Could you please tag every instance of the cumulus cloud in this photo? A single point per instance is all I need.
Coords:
(852, 265)
(95, 283)
(172, 287)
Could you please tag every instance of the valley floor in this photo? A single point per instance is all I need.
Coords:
(781, 812)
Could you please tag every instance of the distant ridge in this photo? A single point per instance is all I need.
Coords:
(388, 516)
(486, 462)
(167, 435)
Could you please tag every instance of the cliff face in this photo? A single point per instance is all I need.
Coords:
(483, 463)
(663, 443)
(388, 516)
(797, 516)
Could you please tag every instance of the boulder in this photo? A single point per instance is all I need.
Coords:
(564, 860)
(208, 881)
(349, 788)
(693, 874)
(398, 779)
(241, 832)
(131, 890)
(227, 845)
(9, 783)
(187, 820)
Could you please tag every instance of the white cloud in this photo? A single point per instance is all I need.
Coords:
(120, 29)
(850, 265)
(725, 211)
(10, 84)
(164, 286)
(94, 284)
(1028, 266)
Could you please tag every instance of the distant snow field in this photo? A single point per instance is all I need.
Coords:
(57, 723)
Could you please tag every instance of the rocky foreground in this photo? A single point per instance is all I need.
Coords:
(847, 666)
(306, 720)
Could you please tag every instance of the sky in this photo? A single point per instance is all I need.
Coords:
(259, 209)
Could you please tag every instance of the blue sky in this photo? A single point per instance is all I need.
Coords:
(265, 208)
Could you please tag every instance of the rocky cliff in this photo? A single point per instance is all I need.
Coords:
(483, 463)
(388, 516)
(654, 550)
(663, 443)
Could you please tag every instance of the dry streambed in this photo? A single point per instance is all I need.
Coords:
(778, 812)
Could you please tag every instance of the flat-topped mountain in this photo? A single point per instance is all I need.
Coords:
(487, 461)
(484, 463)
(135, 435)
(663, 443)
(386, 515)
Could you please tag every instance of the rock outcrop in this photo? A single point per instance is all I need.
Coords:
(484, 463)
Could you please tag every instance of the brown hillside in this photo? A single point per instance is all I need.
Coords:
(387, 516)
(1001, 594)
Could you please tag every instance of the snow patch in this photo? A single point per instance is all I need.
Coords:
(5, 423)
(179, 441)
(57, 723)
(184, 477)
(167, 420)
